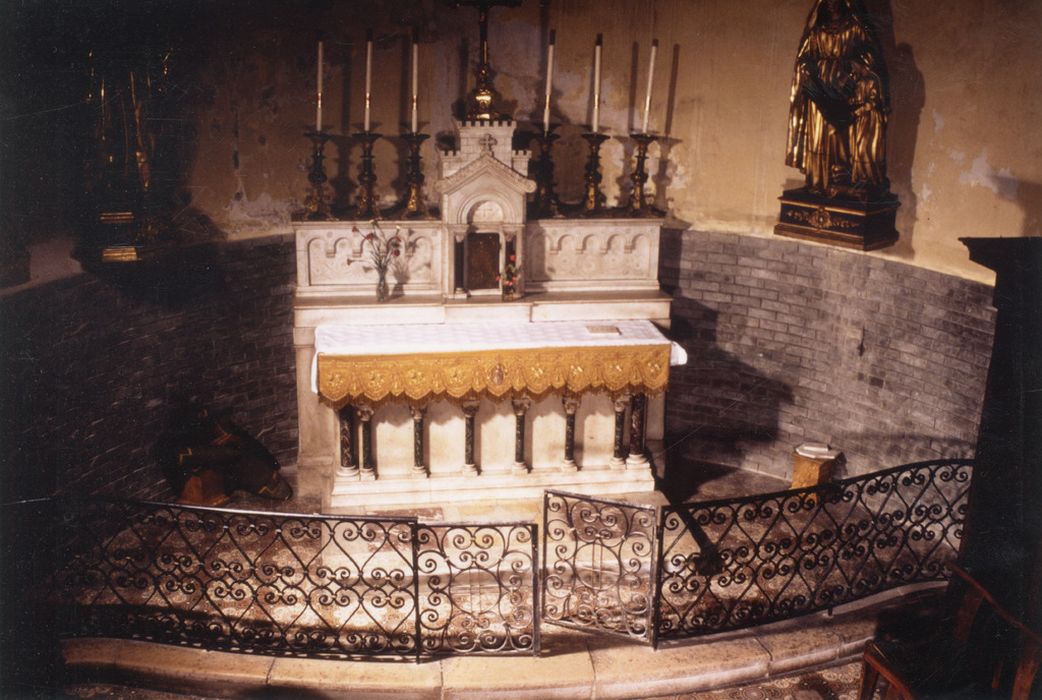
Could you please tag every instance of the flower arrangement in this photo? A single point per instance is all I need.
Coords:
(383, 249)
(510, 278)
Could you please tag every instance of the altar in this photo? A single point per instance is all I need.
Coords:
(490, 347)
(409, 403)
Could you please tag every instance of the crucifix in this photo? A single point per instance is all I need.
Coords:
(480, 107)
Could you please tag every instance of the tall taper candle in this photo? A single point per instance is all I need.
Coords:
(597, 84)
(651, 80)
(318, 97)
(415, 81)
(368, 75)
(549, 81)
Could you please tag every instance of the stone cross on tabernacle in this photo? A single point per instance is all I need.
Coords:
(487, 142)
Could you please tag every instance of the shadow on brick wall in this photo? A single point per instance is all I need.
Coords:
(792, 342)
(90, 367)
(719, 406)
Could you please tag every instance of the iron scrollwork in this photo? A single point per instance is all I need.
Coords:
(295, 585)
(477, 588)
(351, 587)
(736, 563)
(600, 564)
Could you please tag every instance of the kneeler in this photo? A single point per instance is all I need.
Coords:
(978, 651)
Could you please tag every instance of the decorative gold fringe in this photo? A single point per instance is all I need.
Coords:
(374, 379)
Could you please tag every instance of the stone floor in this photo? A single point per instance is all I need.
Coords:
(839, 682)
(807, 658)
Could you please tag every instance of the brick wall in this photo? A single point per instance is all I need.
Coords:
(90, 366)
(787, 341)
(790, 342)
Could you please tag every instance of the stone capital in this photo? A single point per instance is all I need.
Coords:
(521, 404)
(570, 403)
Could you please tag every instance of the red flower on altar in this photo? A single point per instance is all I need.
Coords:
(382, 247)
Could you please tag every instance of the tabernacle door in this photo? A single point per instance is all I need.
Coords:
(482, 252)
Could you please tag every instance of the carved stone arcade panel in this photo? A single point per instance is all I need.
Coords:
(333, 258)
(582, 255)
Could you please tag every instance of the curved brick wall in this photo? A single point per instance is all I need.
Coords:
(788, 342)
(89, 366)
(791, 342)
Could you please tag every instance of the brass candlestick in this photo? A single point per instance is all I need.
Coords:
(366, 207)
(415, 205)
(545, 204)
(316, 205)
(639, 205)
(593, 199)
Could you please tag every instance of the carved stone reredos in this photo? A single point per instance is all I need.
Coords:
(485, 180)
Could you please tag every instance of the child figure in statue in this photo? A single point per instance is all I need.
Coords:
(838, 104)
(868, 132)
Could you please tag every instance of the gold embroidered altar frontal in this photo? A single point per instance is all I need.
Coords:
(493, 373)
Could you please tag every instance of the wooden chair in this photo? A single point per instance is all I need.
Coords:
(983, 651)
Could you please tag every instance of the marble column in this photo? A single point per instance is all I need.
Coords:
(348, 467)
(459, 261)
(520, 404)
(418, 467)
(618, 459)
(571, 405)
(470, 409)
(365, 414)
(637, 459)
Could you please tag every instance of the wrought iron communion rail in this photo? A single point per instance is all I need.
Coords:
(351, 587)
(736, 563)
(297, 585)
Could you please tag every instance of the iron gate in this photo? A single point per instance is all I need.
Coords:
(601, 560)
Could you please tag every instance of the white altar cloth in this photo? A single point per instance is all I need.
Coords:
(404, 339)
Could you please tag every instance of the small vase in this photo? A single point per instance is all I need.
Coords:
(381, 287)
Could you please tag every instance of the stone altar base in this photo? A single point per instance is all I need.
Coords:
(601, 480)
(444, 480)
(846, 223)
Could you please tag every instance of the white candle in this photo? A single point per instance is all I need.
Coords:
(415, 82)
(549, 82)
(597, 84)
(318, 100)
(651, 80)
(368, 76)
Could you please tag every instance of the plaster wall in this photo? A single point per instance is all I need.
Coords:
(965, 154)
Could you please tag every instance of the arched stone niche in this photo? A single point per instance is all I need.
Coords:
(483, 208)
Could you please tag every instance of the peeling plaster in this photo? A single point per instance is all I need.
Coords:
(263, 212)
(938, 122)
(982, 174)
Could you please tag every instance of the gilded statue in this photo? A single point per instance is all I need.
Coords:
(839, 104)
